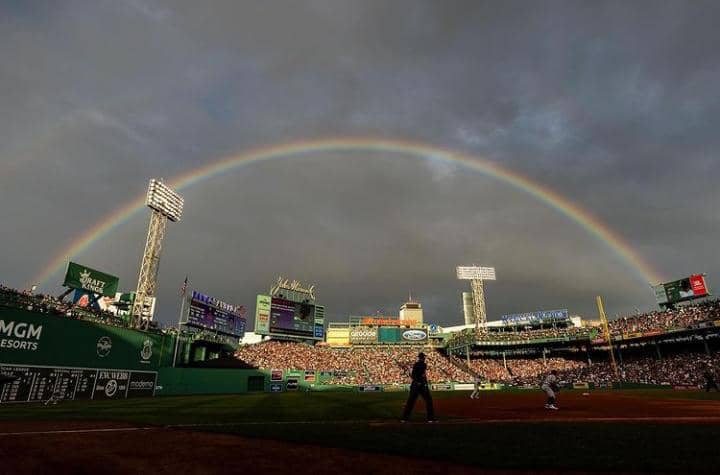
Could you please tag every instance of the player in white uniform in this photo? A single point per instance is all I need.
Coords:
(476, 392)
(550, 386)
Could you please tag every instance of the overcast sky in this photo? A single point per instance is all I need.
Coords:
(614, 105)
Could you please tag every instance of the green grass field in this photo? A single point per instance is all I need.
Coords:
(367, 422)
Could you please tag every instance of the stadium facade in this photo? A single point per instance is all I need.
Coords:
(51, 348)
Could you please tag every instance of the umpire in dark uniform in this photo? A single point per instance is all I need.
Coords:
(419, 387)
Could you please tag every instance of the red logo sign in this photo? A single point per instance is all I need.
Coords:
(698, 285)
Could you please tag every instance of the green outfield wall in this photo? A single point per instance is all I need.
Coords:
(56, 356)
(183, 381)
(31, 338)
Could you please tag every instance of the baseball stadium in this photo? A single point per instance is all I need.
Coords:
(359, 237)
(87, 388)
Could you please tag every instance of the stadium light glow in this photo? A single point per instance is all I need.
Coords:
(476, 273)
(164, 200)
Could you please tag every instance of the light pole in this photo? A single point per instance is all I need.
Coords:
(165, 204)
(476, 276)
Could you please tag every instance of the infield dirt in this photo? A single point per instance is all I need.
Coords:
(74, 445)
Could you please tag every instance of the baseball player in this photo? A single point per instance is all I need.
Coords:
(550, 386)
(476, 392)
(419, 387)
(709, 376)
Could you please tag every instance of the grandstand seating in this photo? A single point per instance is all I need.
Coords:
(48, 304)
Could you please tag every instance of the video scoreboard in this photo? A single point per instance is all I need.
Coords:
(689, 288)
(205, 312)
(290, 311)
(283, 317)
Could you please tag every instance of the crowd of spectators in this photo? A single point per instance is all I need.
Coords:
(678, 370)
(392, 365)
(357, 365)
(663, 321)
(658, 321)
(522, 335)
(47, 304)
(518, 371)
(569, 332)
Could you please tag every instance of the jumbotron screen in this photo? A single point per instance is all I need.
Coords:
(208, 312)
(689, 288)
(292, 318)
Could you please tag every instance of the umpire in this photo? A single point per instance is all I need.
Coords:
(419, 387)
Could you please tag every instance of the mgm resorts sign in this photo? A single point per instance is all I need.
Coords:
(19, 335)
(91, 280)
(292, 286)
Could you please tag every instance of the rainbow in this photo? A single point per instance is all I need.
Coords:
(543, 194)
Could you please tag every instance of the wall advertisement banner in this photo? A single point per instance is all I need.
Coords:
(363, 335)
(370, 389)
(85, 278)
(414, 335)
(395, 388)
(535, 317)
(401, 335)
(262, 314)
(29, 338)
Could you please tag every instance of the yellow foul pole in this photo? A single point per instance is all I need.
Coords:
(606, 330)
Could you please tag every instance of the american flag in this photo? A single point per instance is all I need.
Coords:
(183, 289)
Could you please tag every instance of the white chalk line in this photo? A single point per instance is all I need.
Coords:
(374, 423)
(77, 431)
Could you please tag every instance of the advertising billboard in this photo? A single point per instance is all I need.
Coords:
(91, 280)
(363, 335)
(396, 335)
(689, 288)
(262, 314)
(203, 311)
(539, 317)
(32, 339)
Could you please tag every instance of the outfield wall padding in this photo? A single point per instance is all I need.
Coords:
(184, 381)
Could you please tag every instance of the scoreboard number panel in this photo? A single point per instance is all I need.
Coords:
(39, 383)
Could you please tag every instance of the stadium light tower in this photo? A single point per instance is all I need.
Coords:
(476, 276)
(165, 204)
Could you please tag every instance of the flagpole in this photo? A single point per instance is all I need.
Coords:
(182, 310)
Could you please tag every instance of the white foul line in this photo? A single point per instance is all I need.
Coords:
(77, 431)
(378, 423)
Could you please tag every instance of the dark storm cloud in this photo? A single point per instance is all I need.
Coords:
(615, 105)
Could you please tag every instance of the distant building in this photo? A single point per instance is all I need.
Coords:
(411, 311)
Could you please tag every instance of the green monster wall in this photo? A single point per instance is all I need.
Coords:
(183, 381)
(30, 338)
